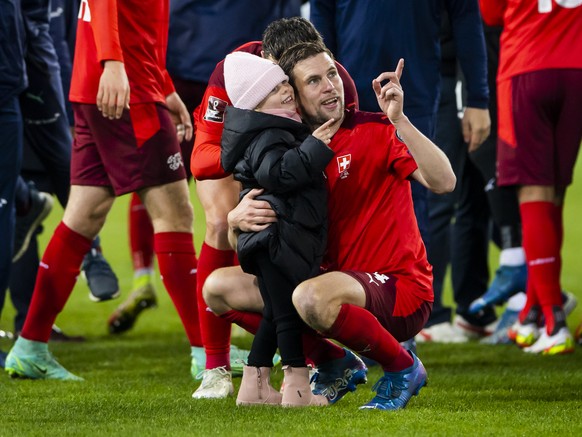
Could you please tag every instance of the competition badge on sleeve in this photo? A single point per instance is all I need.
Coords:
(215, 110)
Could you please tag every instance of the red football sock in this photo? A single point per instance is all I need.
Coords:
(558, 218)
(141, 235)
(530, 302)
(247, 320)
(541, 242)
(177, 263)
(57, 274)
(559, 223)
(318, 350)
(215, 330)
(373, 341)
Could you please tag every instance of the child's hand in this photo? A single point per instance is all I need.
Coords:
(323, 132)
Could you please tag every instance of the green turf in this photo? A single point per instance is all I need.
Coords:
(139, 383)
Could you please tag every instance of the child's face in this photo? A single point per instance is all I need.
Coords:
(281, 97)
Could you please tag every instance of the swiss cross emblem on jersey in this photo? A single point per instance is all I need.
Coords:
(343, 164)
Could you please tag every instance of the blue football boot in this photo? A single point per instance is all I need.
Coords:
(394, 389)
(508, 281)
(336, 378)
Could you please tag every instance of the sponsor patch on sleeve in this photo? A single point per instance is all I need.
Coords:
(215, 110)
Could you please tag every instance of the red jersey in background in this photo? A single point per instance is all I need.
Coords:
(134, 32)
(537, 34)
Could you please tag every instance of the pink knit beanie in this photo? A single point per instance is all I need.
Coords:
(250, 78)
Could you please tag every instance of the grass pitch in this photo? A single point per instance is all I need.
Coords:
(139, 383)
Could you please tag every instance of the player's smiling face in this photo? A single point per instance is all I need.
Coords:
(320, 91)
(281, 97)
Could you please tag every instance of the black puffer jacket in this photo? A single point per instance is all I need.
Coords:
(281, 156)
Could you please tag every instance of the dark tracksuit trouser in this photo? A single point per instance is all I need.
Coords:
(10, 161)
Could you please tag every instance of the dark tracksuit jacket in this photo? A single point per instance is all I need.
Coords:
(202, 33)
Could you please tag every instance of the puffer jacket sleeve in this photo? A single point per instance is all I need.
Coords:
(279, 167)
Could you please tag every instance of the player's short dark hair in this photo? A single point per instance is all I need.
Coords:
(300, 52)
(286, 32)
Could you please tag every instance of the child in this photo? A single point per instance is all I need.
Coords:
(266, 146)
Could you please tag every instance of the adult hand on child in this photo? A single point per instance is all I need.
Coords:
(251, 215)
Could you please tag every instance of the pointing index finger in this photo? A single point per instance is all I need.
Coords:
(399, 68)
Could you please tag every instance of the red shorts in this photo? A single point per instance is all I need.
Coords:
(393, 303)
(539, 127)
(137, 151)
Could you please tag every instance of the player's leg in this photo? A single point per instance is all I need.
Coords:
(339, 304)
(167, 200)
(217, 197)
(541, 241)
(141, 243)
(234, 295)
(171, 213)
(89, 202)
(509, 281)
(57, 273)
(510, 277)
(21, 286)
(228, 291)
(544, 160)
(47, 134)
(141, 233)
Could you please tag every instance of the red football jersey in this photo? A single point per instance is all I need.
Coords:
(209, 117)
(132, 31)
(537, 34)
(372, 226)
(209, 122)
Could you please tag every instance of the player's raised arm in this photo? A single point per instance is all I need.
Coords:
(434, 169)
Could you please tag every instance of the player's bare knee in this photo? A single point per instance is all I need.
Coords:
(310, 302)
(212, 294)
(216, 224)
(179, 218)
(88, 224)
(216, 234)
(185, 219)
